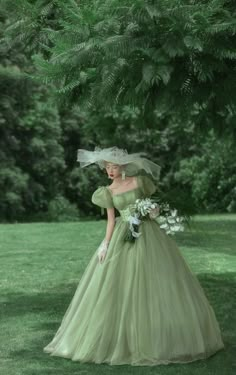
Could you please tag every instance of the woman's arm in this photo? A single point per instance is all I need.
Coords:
(110, 227)
(110, 223)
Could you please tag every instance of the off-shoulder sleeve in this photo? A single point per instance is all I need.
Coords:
(147, 185)
(102, 197)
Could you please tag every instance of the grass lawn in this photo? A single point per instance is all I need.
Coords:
(41, 265)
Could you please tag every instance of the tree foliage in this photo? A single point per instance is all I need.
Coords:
(214, 189)
(156, 76)
(171, 56)
(31, 156)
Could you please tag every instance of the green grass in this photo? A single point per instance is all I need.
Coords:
(41, 265)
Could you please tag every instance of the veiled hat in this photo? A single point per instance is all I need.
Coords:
(134, 163)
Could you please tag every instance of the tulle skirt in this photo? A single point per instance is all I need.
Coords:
(141, 306)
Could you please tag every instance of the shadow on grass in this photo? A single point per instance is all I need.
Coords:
(51, 302)
(220, 289)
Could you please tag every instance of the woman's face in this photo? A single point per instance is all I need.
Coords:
(113, 170)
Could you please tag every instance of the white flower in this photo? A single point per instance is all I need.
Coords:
(170, 220)
(161, 219)
(164, 226)
(173, 212)
(166, 207)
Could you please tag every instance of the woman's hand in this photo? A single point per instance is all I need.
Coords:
(102, 250)
(102, 255)
(154, 213)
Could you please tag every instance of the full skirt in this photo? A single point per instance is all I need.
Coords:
(141, 306)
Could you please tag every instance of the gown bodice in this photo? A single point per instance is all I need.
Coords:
(124, 202)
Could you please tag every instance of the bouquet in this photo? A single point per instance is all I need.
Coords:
(146, 208)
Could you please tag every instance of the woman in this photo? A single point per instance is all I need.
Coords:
(137, 302)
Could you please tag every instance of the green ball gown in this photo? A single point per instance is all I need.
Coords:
(142, 305)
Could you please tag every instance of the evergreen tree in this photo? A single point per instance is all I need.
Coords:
(171, 56)
(31, 156)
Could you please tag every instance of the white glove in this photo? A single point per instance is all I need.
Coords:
(102, 250)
